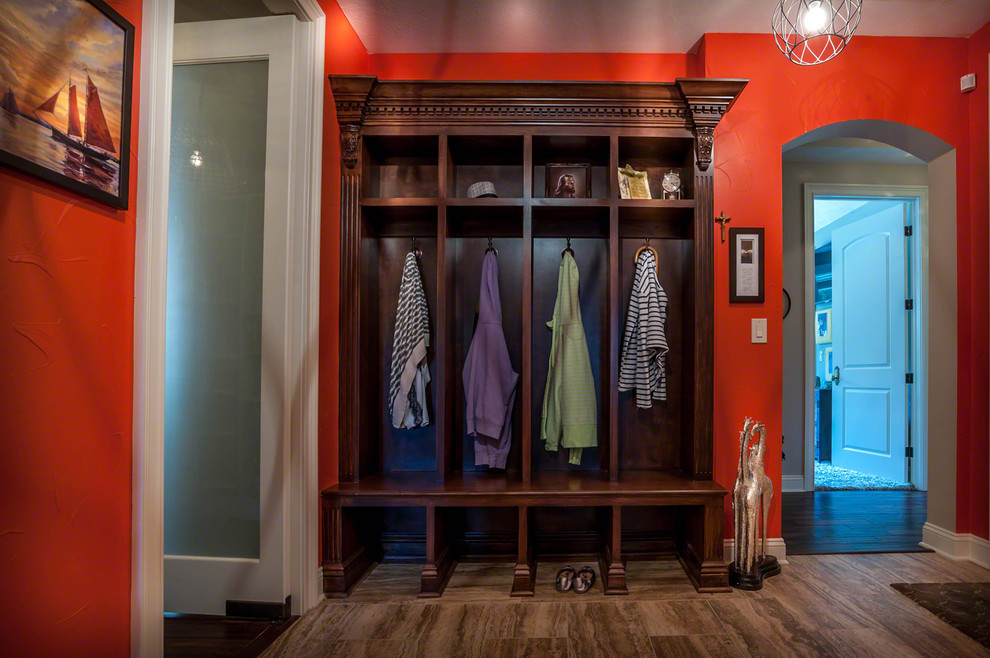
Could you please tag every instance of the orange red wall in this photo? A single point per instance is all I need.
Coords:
(344, 55)
(66, 317)
(973, 454)
(909, 80)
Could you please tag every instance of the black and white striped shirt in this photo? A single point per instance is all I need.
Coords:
(644, 345)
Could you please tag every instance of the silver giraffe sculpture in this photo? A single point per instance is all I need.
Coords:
(751, 495)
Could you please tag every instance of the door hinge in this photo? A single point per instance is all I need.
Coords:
(908, 451)
(909, 378)
(909, 304)
(908, 231)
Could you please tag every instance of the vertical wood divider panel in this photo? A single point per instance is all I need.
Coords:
(348, 556)
(526, 389)
(440, 560)
(524, 576)
(444, 328)
(610, 457)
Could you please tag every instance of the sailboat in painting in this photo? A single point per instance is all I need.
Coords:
(9, 103)
(93, 137)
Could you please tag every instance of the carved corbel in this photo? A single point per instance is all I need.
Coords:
(350, 139)
(704, 141)
(707, 101)
(350, 96)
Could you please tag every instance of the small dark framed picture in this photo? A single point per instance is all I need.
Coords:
(823, 326)
(746, 265)
(65, 78)
(568, 181)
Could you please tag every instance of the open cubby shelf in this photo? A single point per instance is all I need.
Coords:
(410, 151)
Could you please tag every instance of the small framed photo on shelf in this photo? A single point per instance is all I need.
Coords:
(823, 326)
(746, 265)
(568, 181)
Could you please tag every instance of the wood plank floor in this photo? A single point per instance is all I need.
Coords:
(816, 522)
(826, 605)
(203, 636)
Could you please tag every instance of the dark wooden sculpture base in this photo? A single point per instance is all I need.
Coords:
(768, 566)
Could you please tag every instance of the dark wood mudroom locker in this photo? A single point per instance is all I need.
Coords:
(409, 152)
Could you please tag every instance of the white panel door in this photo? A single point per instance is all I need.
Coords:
(226, 341)
(869, 399)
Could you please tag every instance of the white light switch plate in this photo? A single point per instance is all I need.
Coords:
(759, 330)
(967, 82)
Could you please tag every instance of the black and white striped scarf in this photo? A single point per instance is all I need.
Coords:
(644, 345)
(410, 371)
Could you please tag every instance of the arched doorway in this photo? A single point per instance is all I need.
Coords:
(865, 168)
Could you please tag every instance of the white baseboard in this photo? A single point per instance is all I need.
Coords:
(775, 547)
(792, 483)
(956, 546)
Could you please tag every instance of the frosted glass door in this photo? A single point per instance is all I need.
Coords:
(213, 312)
(227, 400)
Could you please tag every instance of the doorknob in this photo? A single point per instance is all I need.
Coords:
(835, 375)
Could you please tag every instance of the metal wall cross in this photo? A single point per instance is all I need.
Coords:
(723, 220)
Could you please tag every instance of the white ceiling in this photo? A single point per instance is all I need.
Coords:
(616, 26)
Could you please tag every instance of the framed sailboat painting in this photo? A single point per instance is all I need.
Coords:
(66, 71)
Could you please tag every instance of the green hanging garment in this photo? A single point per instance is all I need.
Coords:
(570, 409)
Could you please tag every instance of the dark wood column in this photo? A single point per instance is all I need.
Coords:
(707, 103)
(612, 568)
(351, 99)
(350, 552)
(700, 550)
(524, 576)
(440, 561)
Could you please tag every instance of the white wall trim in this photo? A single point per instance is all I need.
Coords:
(956, 546)
(304, 545)
(791, 483)
(151, 244)
(919, 328)
(775, 547)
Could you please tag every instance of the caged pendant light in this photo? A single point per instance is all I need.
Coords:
(810, 32)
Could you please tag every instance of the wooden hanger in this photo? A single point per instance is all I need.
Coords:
(567, 249)
(491, 248)
(646, 247)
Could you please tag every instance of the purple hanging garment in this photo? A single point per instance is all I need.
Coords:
(489, 380)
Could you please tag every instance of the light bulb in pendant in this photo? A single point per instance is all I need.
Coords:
(196, 159)
(815, 18)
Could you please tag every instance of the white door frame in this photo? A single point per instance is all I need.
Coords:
(302, 542)
(919, 328)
